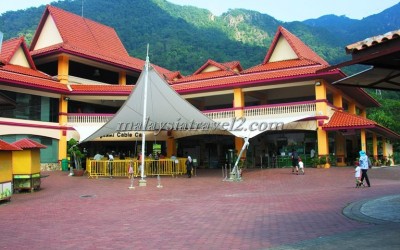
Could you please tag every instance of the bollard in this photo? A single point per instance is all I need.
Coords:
(131, 176)
(159, 181)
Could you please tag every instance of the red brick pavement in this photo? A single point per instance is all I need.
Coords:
(269, 208)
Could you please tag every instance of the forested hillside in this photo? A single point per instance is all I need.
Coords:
(183, 38)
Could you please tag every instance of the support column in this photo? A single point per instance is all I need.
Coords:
(363, 140)
(352, 108)
(363, 113)
(238, 102)
(63, 119)
(171, 147)
(338, 101)
(384, 148)
(374, 146)
(321, 108)
(63, 69)
(122, 78)
(323, 147)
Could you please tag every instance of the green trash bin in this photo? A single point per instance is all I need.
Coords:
(64, 164)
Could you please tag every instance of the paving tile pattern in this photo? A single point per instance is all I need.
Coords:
(269, 208)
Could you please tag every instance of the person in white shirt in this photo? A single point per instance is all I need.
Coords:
(301, 166)
(364, 165)
(110, 160)
(98, 157)
(357, 175)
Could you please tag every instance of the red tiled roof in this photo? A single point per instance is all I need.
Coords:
(25, 71)
(280, 65)
(233, 65)
(345, 120)
(205, 75)
(30, 80)
(244, 79)
(225, 69)
(372, 41)
(172, 75)
(86, 38)
(28, 143)
(9, 48)
(222, 66)
(83, 33)
(101, 89)
(5, 146)
(301, 50)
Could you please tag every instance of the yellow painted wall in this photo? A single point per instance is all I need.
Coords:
(5, 166)
(26, 161)
(375, 146)
(363, 138)
(63, 68)
(238, 102)
(122, 78)
(352, 108)
(171, 147)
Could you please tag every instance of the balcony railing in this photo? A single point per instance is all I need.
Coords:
(253, 111)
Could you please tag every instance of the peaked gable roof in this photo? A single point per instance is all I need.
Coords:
(82, 33)
(173, 76)
(28, 143)
(84, 38)
(302, 51)
(228, 66)
(212, 69)
(10, 48)
(5, 146)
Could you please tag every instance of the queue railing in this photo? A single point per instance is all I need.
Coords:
(120, 168)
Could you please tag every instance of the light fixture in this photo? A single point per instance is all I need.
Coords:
(66, 98)
(96, 72)
(318, 83)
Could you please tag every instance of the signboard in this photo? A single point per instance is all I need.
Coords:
(133, 135)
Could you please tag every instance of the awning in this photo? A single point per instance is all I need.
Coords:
(165, 109)
(347, 124)
(374, 77)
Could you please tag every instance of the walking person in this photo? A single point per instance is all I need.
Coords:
(295, 161)
(189, 166)
(357, 175)
(110, 166)
(301, 166)
(364, 165)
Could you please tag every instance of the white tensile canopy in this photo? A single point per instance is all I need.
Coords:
(154, 105)
(165, 109)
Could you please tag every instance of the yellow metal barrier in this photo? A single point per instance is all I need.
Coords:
(120, 168)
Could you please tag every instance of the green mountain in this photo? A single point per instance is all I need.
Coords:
(183, 38)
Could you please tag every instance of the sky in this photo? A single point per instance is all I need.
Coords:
(283, 10)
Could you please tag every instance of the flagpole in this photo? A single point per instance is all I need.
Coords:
(142, 182)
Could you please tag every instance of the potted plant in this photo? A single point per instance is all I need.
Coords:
(322, 162)
(389, 160)
(75, 155)
(315, 161)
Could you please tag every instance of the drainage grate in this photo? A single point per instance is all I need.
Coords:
(88, 196)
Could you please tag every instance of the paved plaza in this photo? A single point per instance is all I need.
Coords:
(269, 209)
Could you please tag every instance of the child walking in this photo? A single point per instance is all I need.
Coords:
(357, 175)
(301, 166)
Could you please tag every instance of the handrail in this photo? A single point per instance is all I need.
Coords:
(120, 168)
(261, 110)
